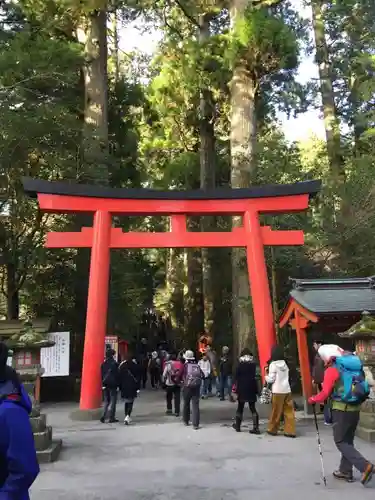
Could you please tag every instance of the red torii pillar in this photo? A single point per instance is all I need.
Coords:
(104, 202)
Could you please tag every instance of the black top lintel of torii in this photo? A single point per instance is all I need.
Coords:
(33, 187)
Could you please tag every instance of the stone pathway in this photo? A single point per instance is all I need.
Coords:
(158, 458)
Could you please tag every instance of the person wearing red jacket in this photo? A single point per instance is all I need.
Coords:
(345, 420)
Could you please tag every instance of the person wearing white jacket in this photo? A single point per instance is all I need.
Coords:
(282, 401)
(205, 365)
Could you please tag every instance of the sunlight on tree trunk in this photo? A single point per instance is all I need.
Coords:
(331, 120)
(242, 142)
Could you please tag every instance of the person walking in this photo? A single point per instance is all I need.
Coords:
(18, 461)
(192, 379)
(172, 378)
(130, 375)
(154, 367)
(341, 369)
(246, 388)
(213, 384)
(110, 380)
(225, 372)
(143, 360)
(282, 401)
(318, 377)
(205, 365)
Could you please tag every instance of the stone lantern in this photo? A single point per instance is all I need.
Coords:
(363, 334)
(26, 346)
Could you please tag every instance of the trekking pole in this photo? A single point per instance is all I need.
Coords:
(319, 446)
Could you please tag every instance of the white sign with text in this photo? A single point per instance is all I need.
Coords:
(55, 360)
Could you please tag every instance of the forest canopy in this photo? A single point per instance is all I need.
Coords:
(202, 111)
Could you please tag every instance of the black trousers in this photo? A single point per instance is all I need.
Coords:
(110, 401)
(129, 408)
(155, 377)
(344, 427)
(241, 407)
(173, 393)
(144, 376)
(191, 396)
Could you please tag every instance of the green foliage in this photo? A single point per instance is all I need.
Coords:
(264, 41)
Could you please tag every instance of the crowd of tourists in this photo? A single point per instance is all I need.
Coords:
(339, 376)
(343, 385)
(181, 374)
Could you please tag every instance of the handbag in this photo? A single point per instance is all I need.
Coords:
(265, 397)
(234, 395)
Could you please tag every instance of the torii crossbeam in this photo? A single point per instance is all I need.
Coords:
(103, 202)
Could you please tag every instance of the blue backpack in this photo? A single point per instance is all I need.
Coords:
(352, 389)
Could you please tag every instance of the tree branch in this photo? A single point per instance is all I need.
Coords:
(186, 13)
(171, 28)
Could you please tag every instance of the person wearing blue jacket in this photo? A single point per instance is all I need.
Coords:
(18, 461)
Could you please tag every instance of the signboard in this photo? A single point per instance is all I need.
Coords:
(112, 341)
(55, 360)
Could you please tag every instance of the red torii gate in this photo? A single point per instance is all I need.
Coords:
(104, 202)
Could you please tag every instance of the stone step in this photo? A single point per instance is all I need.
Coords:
(50, 454)
(43, 439)
(366, 434)
(38, 424)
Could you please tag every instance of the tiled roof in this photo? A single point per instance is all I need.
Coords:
(332, 296)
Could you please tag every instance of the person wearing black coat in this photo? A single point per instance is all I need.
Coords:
(130, 375)
(246, 387)
(109, 372)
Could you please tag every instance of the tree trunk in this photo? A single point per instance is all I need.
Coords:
(242, 142)
(359, 122)
(116, 54)
(13, 306)
(331, 120)
(207, 180)
(93, 34)
(193, 295)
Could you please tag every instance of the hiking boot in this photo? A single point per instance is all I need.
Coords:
(368, 474)
(237, 425)
(344, 476)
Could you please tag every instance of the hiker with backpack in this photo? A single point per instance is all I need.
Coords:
(110, 381)
(172, 378)
(345, 383)
(192, 379)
